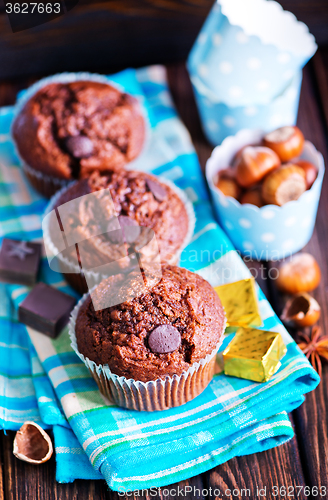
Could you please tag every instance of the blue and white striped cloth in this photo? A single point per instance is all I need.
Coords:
(43, 380)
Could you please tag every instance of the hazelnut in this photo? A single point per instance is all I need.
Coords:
(301, 310)
(237, 156)
(310, 170)
(228, 187)
(32, 444)
(254, 163)
(284, 184)
(252, 196)
(287, 142)
(299, 274)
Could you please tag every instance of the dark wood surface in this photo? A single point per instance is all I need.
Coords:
(121, 33)
(303, 461)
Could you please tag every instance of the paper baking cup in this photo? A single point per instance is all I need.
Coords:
(220, 121)
(48, 185)
(248, 50)
(155, 395)
(72, 271)
(270, 232)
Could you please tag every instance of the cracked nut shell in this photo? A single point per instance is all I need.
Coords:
(32, 444)
(254, 163)
(284, 184)
(287, 142)
(302, 310)
(299, 274)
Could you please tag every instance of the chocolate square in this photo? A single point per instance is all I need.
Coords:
(19, 261)
(46, 309)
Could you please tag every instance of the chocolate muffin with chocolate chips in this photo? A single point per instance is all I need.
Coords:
(127, 216)
(168, 331)
(67, 130)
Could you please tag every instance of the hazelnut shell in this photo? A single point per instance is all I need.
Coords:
(287, 183)
(253, 197)
(254, 163)
(299, 274)
(32, 444)
(310, 170)
(301, 311)
(228, 187)
(287, 142)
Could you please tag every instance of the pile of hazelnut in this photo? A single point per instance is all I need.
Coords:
(271, 172)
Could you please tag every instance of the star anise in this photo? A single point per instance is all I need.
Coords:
(315, 346)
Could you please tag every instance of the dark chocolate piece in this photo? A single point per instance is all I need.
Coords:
(130, 228)
(158, 191)
(80, 146)
(164, 339)
(19, 261)
(46, 309)
(129, 231)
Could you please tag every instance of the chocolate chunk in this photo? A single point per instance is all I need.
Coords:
(46, 309)
(164, 339)
(19, 262)
(130, 228)
(158, 191)
(129, 231)
(80, 146)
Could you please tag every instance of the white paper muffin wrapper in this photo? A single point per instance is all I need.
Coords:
(73, 271)
(154, 395)
(48, 184)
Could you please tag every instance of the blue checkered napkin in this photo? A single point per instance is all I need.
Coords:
(130, 449)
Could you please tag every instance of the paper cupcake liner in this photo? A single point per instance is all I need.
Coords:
(220, 120)
(154, 395)
(44, 184)
(248, 50)
(270, 232)
(48, 185)
(77, 278)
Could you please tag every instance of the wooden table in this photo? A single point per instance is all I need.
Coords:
(303, 461)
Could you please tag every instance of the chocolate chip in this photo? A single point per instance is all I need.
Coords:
(79, 146)
(129, 231)
(130, 228)
(164, 339)
(158, 191)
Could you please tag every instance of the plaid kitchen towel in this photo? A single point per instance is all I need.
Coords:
(43, 379)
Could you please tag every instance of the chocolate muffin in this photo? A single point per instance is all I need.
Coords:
(169, 331)
(124, 200)
(67, 130)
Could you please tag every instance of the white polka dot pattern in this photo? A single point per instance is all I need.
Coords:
(239, 68)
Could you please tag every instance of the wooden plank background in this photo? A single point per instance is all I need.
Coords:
(97, 35)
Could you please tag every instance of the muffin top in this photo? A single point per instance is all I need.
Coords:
(67, 130)
(181, 314)
(123, 198)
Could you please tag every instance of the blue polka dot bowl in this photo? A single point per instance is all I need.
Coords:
(249, 50)
(270, 232)
(220, 120)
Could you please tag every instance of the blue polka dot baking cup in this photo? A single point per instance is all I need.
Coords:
(270, 232)
(220, 120)
(248, 51)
